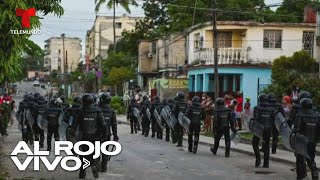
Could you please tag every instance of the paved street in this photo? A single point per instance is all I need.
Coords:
(146, 158)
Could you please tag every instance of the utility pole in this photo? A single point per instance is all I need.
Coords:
(65, 64)
(215, 45)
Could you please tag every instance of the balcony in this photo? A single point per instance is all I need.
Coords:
(225, 56)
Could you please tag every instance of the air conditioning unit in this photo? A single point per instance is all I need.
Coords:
(149, 55)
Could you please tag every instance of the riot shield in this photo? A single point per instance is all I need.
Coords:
(148, 114)
(256, 128)
(136, 113)
(184, 121)
(234, 138)
(73, 135)
(246, 119)
(70, 120)
(29, 118)
(165, 115)
(158, 118)
(42, 123)
(61, 117)
(279, 121)
(299, 144)
(63, 131)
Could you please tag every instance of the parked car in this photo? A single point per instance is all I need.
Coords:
(36, 83)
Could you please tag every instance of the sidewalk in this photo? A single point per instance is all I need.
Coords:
(281, 156)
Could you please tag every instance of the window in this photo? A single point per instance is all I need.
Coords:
(119, 25)
(307, 41)
(197, 41)
(272, 39)
(225, 39)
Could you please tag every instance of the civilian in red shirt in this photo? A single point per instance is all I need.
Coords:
(239, 109)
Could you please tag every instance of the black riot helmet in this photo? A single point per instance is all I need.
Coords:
(263, 98)
(41, 99)
(30, 98)
(272, 98)
(105, 98)
(164, 101)
(303, 94)
(306, 103)
(87, 99)
(180, 95)
(170, 101)
(25, 97)
(77, 100)
(145, 97)
(195, 99)
(220, 102)
(63, 98)
(36, 95)
(156, 98)
(95, 98)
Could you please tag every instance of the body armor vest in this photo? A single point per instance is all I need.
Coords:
(88, 121)
(309, 126)
(223, 116)
(265, 116)
(53, 116)
(195, 114)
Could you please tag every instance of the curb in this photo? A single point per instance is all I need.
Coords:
(288, 162)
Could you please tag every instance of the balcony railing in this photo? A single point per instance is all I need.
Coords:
(225, 55)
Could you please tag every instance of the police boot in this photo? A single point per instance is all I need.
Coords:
(213, 150)
(266, 163)
(195, 148)
(104, 168)
(190, 142)
(153, 135)
(314, 175)
(227, 152)
(82, 174)
(95, 171)
(274, 150)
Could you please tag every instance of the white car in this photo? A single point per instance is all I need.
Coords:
(36, 83)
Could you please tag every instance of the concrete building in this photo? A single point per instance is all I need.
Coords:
(246, 51)
(99, 38)
(160, 58)
(53, 59)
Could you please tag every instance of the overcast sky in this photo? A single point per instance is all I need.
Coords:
(79, 17)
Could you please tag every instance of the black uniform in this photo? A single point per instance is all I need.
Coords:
(92, 125)
(145, 120)
(275, 133)
(308, 124)
(25, 127)
(156, 105)
(36, 109)
(165, 103)
(130, 115)
(111, 125)
(195, 114)
(52, 115)
(180, 105)
(222, 128)
(264, 115)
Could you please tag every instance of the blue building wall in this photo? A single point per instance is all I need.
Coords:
(248, 82)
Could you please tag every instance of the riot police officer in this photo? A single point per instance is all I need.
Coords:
(263, 121)
(52, 114)
(145, 107)
(307, 124)
(195, 114)
(64, 104)
(168, 129)
(35, 107)
(222, 128)
(272, 103)
(155, 126)
(71, 112)
(111, 124)
(180, 106)
(130, 115)
(23, 122)
(92, 125)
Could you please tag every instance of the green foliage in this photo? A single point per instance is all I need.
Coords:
(13, 46)
(117, 104)
(118, 75)
(298, 70)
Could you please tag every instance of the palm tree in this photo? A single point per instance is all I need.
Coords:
(112, 4)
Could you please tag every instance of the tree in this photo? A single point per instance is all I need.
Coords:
(118, 75)
(12, 46)
(112, 4)
(294, 10)
(298, 70)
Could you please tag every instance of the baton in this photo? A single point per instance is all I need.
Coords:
(109, 157)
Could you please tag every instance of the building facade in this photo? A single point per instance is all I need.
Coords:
(100, 37)
(161, 58)
(54, 59)
(246, 52)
